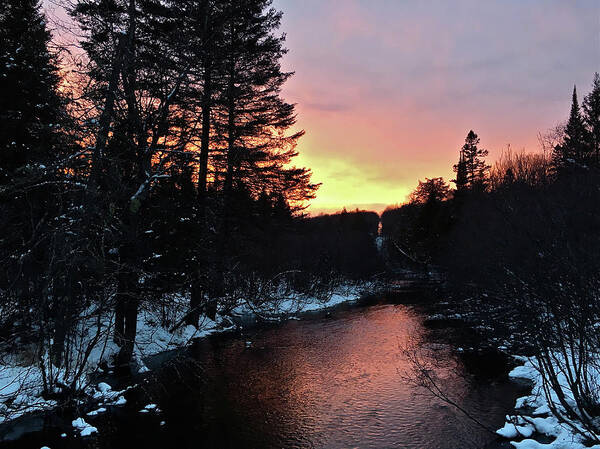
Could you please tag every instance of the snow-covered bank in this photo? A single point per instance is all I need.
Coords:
(22, 379)
(534, 414)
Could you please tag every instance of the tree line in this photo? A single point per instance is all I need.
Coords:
(520, 237)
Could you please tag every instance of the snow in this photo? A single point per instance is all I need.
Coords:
(21, 383)
(515, 429)
(84, 428)
(97, 411)
(149, 408)
(541, 421)
(103, 387)
(290, 304)
(120, 401)
(22, 387)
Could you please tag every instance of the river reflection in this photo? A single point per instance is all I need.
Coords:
(326, 381)
(337, 383)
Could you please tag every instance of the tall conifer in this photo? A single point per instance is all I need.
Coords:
(575, 147)
(591, 109)
(471, 169)
(29, 102)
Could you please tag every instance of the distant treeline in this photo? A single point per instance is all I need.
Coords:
(438, 220)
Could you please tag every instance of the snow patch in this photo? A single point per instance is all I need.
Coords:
(84, 428)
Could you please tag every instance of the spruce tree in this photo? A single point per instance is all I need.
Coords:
(39, 254)
(252, 116)
(253, 121)
(575, 147)
(29, 102)
(591, 117)
(461, 173)
(471, 169)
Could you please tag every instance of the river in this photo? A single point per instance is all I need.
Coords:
(339, 379)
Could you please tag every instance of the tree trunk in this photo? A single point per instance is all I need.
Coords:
(197, 288)
(129, 309)
(120, 305)
(193, 316)
(205, 138)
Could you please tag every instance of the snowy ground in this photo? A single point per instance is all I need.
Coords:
(21, 380)
(537, 418)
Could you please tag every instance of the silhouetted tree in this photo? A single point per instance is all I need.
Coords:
(42, 254)
(253, 120)
(30, 107)
(137, 70)
(471, 169)
(574, 150)
(591, 117)
(432, 190)
(461, 174)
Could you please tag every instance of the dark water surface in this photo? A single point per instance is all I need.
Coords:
(326, 381)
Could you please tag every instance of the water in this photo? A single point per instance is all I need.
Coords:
(335, 381)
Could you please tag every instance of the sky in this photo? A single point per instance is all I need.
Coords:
(387, 90)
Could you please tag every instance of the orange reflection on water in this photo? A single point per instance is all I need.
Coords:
(337, 382)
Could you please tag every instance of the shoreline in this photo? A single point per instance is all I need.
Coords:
(152, 339)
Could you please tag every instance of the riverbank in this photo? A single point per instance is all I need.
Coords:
(533, 424)
(484, 351)
(332, 379)
(22, 383)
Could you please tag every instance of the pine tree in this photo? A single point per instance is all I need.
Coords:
(461, 173)
(252, 115)
(253, 121)
(575, 147)
(30, 106)
(471, 169)
(591, 109)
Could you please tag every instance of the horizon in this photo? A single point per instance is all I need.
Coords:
(164, 278)
(377, 108)
(391, 116)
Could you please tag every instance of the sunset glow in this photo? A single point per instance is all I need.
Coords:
(388, 90)
(300, 223)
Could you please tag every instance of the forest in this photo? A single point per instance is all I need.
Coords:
(150, 195)
(158, 175)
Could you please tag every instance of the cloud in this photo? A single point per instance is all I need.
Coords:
(327, 107)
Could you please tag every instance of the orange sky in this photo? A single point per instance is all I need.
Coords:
(387, 90)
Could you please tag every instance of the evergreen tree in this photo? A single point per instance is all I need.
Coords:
(461, 173)
(137, 69)
(30, 106)
(40, 252)
(575, 147)
(591, 109)
(471, 169)
(252, 117)
(252, 122)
